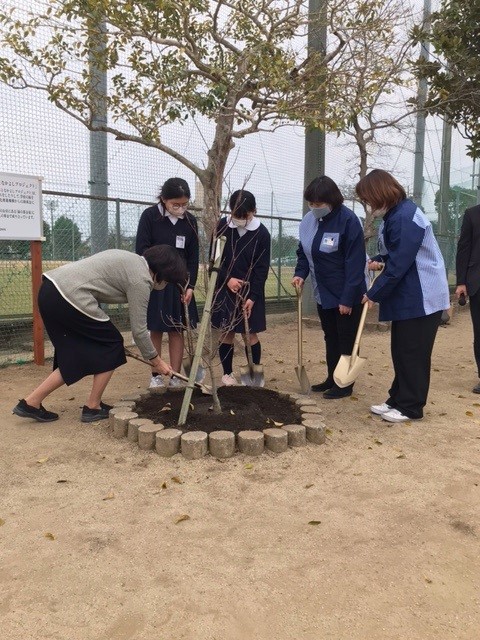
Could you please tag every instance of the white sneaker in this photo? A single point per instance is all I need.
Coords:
(394, 415)
(176, 383)
(380, 409)
(156, 382)
(229, 380)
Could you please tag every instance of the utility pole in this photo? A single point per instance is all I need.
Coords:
(420, 127)
(315, 137)
(443, 217)
(98, 139)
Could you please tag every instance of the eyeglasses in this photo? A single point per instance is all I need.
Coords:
(179, 207)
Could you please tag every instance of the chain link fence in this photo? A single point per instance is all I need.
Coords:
(68, 237)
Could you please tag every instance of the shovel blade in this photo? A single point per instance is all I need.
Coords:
(348, 370)
(303, 379)
(253, 377)
(187, 365)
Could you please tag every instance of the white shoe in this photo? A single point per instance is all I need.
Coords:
(380, 409)
(156, 382)
(394, 415)
(176, 383)
(229, 380)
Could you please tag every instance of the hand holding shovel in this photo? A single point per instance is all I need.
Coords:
(348, 367)
(300, 369)
(251, 375)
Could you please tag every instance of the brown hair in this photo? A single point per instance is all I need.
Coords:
(380, 190)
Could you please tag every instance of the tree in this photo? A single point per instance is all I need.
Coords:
(459, 199)
(67, 239)
(242, 64)
(20, 249)
(453, 73)
(376, 74)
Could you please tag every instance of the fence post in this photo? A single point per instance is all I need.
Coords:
(36, 260)
(280, 251)
(117, 224)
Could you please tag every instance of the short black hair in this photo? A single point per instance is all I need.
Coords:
(242, 203)
(324, 189)
(166, 263)
(174, 188)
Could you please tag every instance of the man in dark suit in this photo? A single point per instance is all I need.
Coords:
(468, 274)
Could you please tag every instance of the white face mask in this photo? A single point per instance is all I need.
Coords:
(239, 223)
(320, 212)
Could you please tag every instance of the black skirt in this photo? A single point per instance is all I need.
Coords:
(83, 346)
(165, 310)
(227, 313)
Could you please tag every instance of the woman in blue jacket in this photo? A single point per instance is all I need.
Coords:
(412, 292)
(332, 251)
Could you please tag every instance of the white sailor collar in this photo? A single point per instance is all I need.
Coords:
(251, 226)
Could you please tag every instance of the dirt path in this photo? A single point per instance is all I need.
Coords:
(395, 556)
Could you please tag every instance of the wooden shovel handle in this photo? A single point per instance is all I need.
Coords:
(356, 344)
(299, 292)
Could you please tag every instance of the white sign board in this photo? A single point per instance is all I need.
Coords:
(20, 207)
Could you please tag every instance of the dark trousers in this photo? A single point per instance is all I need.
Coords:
(339, 332)
(411, 346)
(475, 313)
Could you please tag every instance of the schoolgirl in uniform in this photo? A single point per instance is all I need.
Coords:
(170, 223)
(241, 280)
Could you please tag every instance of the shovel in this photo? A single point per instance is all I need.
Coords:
(300, 369)
(251, 375)
(188, 358)
(348, 367)
(204, 389)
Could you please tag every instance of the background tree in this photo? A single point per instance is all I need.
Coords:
(453, 71)
(20, 249)
(459, 199)
(378, 80)
(241, 64)
(67, 240)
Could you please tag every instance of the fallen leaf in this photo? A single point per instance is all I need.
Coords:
(468, 413)
(249, 466)
(328, 432)
(2, 522)
(315, 522)
(109, 496)
(353, 398)
(476, 404)
(191, 406)
(307, 486)
(401, 456)
(278, 424)
(50, 536)
(428, 580)
(177, 480)
(279, 361)
(165, 408)
(59, 481)
(378, 442)
(164, 485)
(460, 396)
(182, 518)
(42, 460)
(232, 412)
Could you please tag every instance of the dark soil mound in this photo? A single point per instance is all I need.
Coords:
(242, 408)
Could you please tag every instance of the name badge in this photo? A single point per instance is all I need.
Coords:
(329, 242)
(180, 242)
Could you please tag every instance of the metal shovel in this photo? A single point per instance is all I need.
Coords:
(300, 369)
(348, 367)
(251, 375)
(188, 358)
(204, 389)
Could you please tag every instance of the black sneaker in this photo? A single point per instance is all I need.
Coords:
(92, 415)
(337, 392)
(323, 386)
(25, 410)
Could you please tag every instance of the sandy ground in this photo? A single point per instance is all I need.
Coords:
(90, 549)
